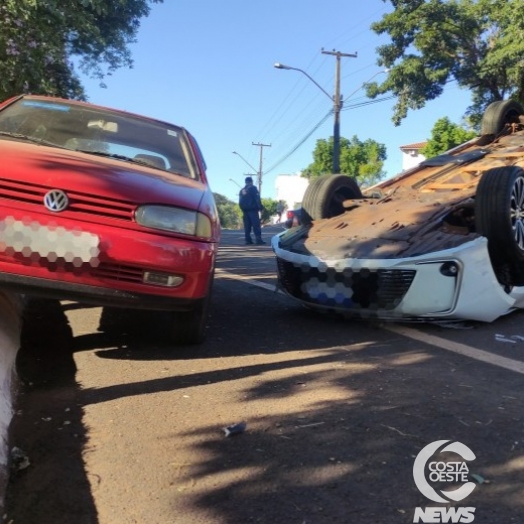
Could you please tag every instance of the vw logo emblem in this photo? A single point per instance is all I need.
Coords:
(56, 200)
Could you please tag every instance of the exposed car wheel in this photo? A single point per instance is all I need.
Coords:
(189, 327)
(46, 343)
(112, 319)
(499, 216)
(324, 198)
(309, 197)
(498, 114)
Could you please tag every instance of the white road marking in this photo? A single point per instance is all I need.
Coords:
(247, 280)
(461, 349)
(442, 343)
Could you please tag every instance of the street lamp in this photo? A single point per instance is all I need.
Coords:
(367, 81)
(278, 65)
(255, 171)
(253, 168)
(235, 182)
(337, 104)
(336, 99)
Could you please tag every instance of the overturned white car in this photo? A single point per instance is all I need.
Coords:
(442, 241)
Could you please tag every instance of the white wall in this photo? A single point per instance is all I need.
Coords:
(291, 189)
(10, 326)
(411, 158)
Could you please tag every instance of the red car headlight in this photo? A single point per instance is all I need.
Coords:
(174, 219)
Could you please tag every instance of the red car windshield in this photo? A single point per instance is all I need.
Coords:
(99, 131)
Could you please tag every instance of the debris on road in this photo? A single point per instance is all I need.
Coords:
(453, 324)
(235, 429)
(19, 460)
(477, 478)
(510, 340)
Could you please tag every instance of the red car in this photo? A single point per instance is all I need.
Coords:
(106, 207)
(293, 218)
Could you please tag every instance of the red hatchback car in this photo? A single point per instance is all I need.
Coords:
(106, 207)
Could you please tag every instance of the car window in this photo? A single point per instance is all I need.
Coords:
(101, 131)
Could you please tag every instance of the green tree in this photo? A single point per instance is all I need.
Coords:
(444, 136)
(363, 161)
(270, 209)
(40, 39)
(228, 212)
(477, 43)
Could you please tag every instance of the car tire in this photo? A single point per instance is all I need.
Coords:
(498, 114)
(324, 198)
(309, 197)
(499, 216)
(113, 319)
(189, 327)
(46, 343)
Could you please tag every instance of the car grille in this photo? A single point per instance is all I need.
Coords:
(117, 273)
(347, 289)
(105, 271)
(78, 202)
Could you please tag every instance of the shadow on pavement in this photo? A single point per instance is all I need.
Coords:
(336, 413)
(47, 425)
(269, 323)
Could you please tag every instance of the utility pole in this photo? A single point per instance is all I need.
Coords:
(260, 164)
(337, 106)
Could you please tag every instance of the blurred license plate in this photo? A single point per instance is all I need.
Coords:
(34, 240)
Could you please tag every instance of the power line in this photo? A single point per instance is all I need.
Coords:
(294, 118)
(308, 135)
(293, 128)
(369, 102)
(290, 117)
(279, 113)
(284, 107)
(283, 159)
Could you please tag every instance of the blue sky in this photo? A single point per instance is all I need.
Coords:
(208, 65)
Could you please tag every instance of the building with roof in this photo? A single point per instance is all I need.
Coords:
(291, 189)
(411, 155)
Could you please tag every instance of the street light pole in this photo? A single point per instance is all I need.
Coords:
(336, 99)
(278, 65)
(255, 170)
(337, 106)
(383, 71)
(262, 146)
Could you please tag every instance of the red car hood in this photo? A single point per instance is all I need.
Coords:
(81, 172)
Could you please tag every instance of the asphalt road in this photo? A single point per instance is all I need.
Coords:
(120, 428)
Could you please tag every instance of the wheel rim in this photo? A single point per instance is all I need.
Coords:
(517, 212)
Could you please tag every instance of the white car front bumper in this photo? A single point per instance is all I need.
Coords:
(457, 283)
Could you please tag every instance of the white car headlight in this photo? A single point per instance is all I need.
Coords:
(175, 220)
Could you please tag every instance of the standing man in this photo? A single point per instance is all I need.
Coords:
(280, 210)
(250, 204)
